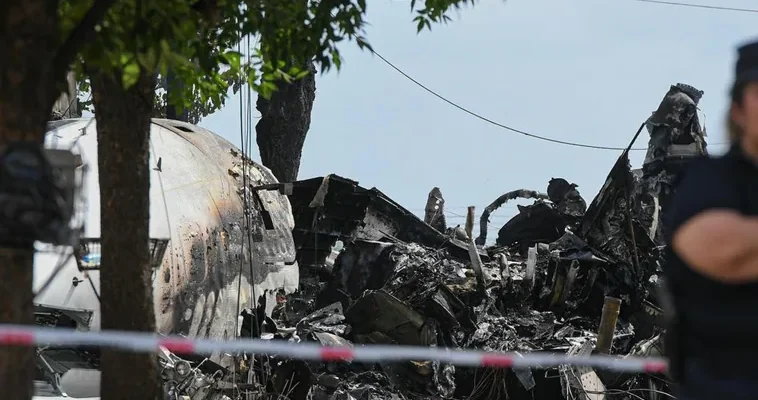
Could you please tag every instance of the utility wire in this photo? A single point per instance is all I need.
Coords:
(497, 124)
(673, 3)
(489, 121)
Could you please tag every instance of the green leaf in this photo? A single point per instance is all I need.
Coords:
(293, 71)
(233, 59)
(130, 74)
(203, 55)
(165, 46)
(285, 77)
(83, 85)
(419, 24)
(148, 59)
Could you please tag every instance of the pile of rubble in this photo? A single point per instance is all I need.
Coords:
(542, 287)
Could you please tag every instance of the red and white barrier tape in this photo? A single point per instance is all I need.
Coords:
(19, 335)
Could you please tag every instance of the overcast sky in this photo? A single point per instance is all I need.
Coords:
(587, 71)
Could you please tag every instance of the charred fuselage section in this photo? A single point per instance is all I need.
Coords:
(332, 208)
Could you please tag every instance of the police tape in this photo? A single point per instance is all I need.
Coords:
(20, 335)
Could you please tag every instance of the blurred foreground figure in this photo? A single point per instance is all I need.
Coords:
(712, 268)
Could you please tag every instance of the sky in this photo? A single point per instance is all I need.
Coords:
(588, 71)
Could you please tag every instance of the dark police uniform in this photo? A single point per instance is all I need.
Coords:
(715, 331)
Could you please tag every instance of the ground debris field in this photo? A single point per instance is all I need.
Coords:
(374, 273)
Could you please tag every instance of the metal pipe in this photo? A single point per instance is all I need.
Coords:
(470, 222)
(611, 308)
(476, 261)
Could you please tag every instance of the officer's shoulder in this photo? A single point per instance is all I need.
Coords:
(705, 167)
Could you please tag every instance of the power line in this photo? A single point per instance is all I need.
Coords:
(489, 121)
(673, 3)
(497, 124)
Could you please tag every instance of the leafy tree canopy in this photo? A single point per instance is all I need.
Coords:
(199, 41)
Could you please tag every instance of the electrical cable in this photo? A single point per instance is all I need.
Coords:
(237, 331)
(707, 7)
(71, 103)
(497, 124)
(92, 285)
(247, 150)
(165, 205)
(242, 259)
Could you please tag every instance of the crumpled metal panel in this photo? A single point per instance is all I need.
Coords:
(196, 202)
(676, 137)
(612, 231)
(623, 221)
(677, 115)
(434, 212)
(619, 180)
(330, 208)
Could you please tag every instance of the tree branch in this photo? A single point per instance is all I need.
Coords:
(81, 34)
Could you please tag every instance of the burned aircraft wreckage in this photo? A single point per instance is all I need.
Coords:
(542, 286)
(398, 279)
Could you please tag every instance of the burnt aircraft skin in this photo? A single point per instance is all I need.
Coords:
(196, 202)
(622, 221)
(201, 299)
(676, 137)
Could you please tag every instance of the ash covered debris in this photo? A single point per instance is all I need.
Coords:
(555, 269)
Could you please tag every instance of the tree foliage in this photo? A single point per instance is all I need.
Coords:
(199, 41)
(430, 12)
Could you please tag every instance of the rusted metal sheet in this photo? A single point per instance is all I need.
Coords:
(197, 203)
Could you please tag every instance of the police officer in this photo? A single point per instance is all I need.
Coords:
(712, 267)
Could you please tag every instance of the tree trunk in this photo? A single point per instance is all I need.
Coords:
(123, 133)
(285, 120)
(27, 33)
(16, 307)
